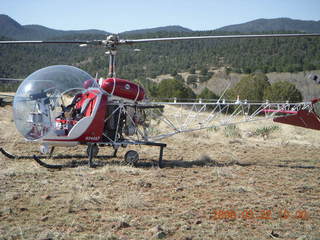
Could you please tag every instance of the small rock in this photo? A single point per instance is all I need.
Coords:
(123, 225)
(274, 234)
(144, 184)
(240, 190)
(46, 235)
(156, 229)
(45, 218)
(186, 238)
(79, 228)
(198, 222)
(186, 227)
(159, 235)
(235, 142)
(46, 197)
(179, 189)
(101, 178)
(304, 189)
(15, 197)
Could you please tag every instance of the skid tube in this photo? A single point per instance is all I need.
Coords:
(154, 144)
(71, 164)
(90, 155)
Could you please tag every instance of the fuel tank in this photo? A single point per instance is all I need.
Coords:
(122, 88)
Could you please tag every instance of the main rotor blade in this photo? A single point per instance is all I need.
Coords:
(113, 41)
(97, 42)
(131, 41)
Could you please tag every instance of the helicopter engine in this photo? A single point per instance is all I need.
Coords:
(123, 120)
(134, 118)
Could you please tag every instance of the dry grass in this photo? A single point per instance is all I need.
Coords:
(202, 176)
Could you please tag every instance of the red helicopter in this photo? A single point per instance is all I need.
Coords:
(64, 106)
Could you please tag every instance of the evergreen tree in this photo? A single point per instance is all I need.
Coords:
(250, 87)
(207, 94)
(171, 88)
(282, 91)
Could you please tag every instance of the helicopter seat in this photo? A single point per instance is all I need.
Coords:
(85, 105)
(63, 126)
(81, 106)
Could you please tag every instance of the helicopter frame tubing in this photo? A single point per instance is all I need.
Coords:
(187, 117)
(138, 137)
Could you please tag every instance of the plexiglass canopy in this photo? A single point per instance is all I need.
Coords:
(38, 100)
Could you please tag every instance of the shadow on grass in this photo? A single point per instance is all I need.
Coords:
(204, 161)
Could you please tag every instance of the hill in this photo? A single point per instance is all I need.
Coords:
(276, 24)
(159, 29)
(12, 29)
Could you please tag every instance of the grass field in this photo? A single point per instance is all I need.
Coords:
(213, 186)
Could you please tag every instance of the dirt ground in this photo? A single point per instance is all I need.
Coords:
(211, 187)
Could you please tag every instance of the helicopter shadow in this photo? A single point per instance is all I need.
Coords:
(144, 163)
(203, 162)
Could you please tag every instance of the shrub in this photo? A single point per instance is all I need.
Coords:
(204, 71)
(265, 131)
(192, 79)
(282, 91)
(170, 88)
(207, 94)
(192, 71)
(232, 131)
(250, 87)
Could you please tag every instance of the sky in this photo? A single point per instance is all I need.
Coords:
(125, 15)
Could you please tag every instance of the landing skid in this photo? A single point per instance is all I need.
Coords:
(71, 164)
(91, 154)
(53, 166)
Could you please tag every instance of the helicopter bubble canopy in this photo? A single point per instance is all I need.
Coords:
(38, 100)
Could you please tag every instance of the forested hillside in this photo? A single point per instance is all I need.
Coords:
(239, 55)
(276, 24)
(154, 59)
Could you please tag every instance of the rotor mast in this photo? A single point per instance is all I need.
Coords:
(111, 44)
(112, 63)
